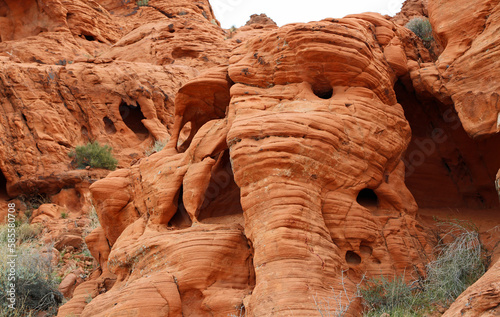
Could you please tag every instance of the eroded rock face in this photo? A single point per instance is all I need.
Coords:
(76, 71)
(314, 125)
(285, 176)
(307, 120)
(465, 73)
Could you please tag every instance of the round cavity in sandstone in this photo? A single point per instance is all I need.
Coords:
(352, 258)
(132, 117)
(323, 90)
(109, 126)
(367, 198)
(85, 131)
(89, 37)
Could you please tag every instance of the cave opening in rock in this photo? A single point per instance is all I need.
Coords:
(323, 89)
(181, 218)
(89, 37)
(222, 197)
(367, 198)
(3, 186)
(132, 117)
(109, 126)
(352, 258)
(445, 167)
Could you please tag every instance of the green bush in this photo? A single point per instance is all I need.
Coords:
(142, 3)
(459, 263)
(422, 28)
(94, 155)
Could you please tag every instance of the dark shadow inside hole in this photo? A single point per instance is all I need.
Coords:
(3, 186)
(323, 90)
(89, 37)
(181, 218)
(367, 198)
(85, 131)
(132, 117)
(352, 258)
(109, 126)
(222, 197)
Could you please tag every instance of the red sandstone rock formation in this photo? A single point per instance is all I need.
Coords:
(292, 165)
(322, 182)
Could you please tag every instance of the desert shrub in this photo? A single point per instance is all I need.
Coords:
(35, 284)
(142, 3)
(422, 28)
(24, 232)
(156, 147)
(94, 155)
(94, 220)
(460, 261)
(394, 297)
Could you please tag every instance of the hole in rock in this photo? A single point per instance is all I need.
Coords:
(180, 52)
(132, 117)
(109, 126)
(352, 258)
(445, 167)
(222, 197)
(3, 186)
(85, 131)
(367, 198)
(323, 90)
(181, 218)
(89, 37)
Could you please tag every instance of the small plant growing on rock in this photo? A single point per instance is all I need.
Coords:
(422, 28)
(142, 3)
(94, 155)
(460, 261)
(156, 147)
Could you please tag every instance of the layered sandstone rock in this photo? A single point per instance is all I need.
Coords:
(314, 135)
(291, 150)
(465, 73)
(75, 73)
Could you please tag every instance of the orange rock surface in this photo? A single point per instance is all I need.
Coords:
(465, 73)
(323, 198)
(296, 157)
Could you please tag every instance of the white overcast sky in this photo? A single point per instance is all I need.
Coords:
(237, 12)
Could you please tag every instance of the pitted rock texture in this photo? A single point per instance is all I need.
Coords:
(106, 71)
(305, 145)
(291, 169)
(306, 119)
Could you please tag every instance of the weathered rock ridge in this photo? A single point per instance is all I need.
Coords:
(297, 157)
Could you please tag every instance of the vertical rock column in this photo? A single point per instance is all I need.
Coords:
(294, 256)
